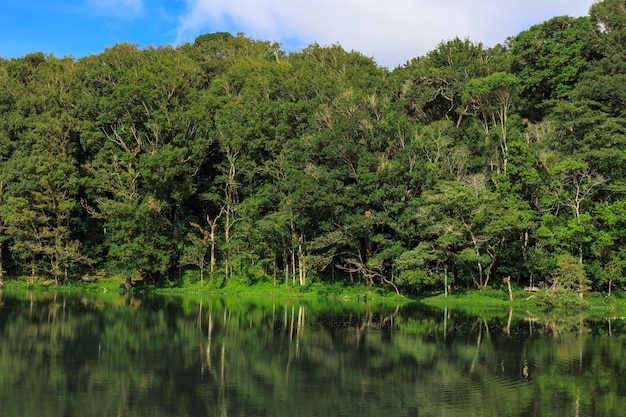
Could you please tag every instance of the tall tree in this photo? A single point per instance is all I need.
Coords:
(549, 59)
(149, 145)
(431, 87)
(490, 99)
(41, 174)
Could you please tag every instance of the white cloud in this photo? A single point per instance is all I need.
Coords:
(392, 32)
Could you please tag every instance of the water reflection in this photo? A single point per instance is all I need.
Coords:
(94, 356)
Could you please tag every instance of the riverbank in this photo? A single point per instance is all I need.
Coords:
(481, 301)
(355, 292)
(470, 301)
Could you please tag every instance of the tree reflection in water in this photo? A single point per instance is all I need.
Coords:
(62, 355)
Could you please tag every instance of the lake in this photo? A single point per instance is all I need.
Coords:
(115, 355)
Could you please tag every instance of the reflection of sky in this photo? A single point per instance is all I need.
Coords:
(392, 32)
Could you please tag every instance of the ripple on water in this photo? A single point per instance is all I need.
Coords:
(473, 394)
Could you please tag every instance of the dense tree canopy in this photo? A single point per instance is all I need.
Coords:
(233, 158)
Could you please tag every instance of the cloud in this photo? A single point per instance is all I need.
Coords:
(392, 32)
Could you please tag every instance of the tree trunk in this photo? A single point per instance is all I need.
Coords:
(478, 263)
(293, 267)
(301, 265)
(445, 281)
(286, 263)
(230, 189)
(227, 240)
(212, 226)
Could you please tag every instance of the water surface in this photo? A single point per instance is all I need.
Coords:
(64, 356)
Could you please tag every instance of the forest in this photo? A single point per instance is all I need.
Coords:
(229, 159)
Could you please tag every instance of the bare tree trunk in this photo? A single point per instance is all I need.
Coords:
(286, 269)
(212, 226)
(301, 264)
(507, 280)
(293, 267)
(230, 195)
(478, 263)
(227, 240)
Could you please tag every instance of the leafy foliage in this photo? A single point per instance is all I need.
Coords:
(231, 157)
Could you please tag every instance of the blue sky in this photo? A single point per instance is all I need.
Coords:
(391, 31)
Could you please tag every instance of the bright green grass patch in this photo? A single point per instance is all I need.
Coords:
(234, 286)
(314, 290)
(478, 301)
(112, 284)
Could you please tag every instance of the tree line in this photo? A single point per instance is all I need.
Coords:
(230, 159)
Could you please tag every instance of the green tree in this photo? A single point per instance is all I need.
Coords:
(610, 253)
(431, 87)
(572, 186)
(549, 59)
(40, 174)
(569, 275)
(148, 144)
(490, 100)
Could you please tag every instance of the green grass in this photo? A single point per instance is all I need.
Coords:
(233, 287)
(112, 284)
(338, 291)
(478, 301)
(470, 301)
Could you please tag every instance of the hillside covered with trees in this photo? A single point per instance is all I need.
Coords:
(233, 159)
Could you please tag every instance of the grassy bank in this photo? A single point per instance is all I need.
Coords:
(479, 301)
(339, 291)
(469, 301)
(108, 284)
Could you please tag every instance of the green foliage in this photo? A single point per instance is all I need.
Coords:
(569, 277)
(238, 162)
(550, 58)
(561, 298)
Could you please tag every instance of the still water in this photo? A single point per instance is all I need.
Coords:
(64, 356)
